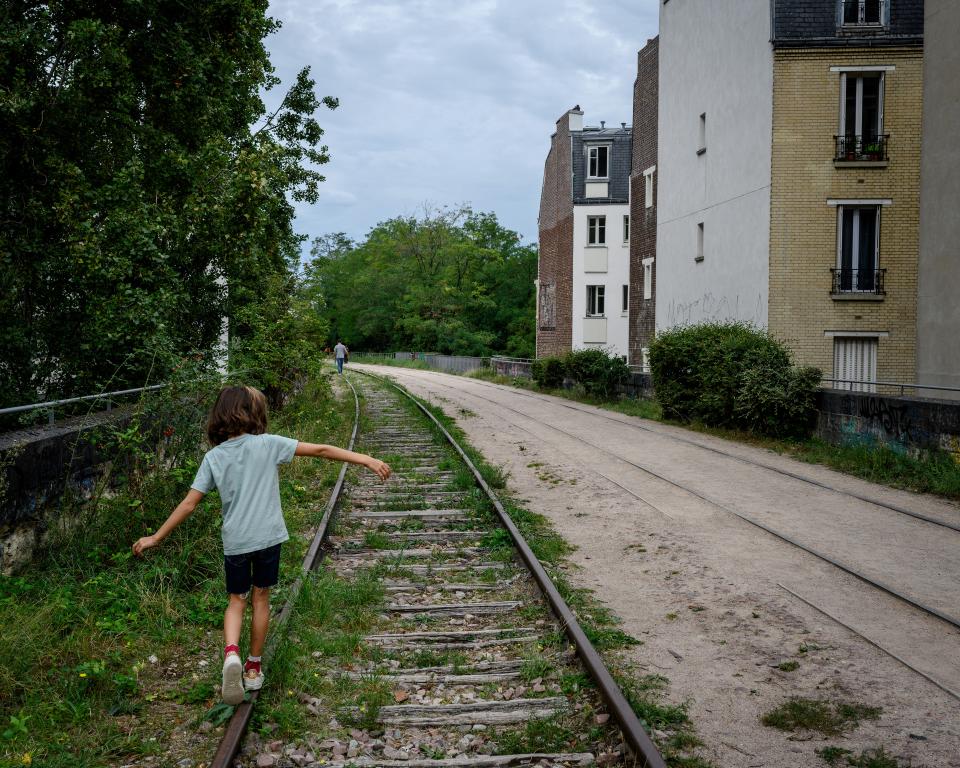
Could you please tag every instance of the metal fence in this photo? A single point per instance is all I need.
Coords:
(51, 405)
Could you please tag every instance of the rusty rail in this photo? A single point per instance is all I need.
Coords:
(632, 729)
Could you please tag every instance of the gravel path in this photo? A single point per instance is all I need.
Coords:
(653, 511)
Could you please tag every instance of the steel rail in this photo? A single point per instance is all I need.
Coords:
(889, 589)
(230, 743)
(633, 731)
(625, 421)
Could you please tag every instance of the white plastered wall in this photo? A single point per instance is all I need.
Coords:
(715, 58)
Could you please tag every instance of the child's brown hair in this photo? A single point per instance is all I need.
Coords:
(238, 410)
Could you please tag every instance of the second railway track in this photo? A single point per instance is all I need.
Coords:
(463, 653)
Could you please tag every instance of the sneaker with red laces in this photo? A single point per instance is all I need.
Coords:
(232, 685)
(252, 675)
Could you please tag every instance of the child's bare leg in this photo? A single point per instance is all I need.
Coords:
(233, 619)
(261, 619)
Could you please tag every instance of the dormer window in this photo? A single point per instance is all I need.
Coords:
(863, 13)
(598, 162)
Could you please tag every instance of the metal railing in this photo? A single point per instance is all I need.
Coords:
(901, 385)
(862, 148)
(857, 281)
(51, 405)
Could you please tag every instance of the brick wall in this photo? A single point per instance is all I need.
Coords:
(555, 264)
(803, 228)
(643, 220)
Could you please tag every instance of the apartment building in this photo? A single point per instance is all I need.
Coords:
(788, 175)
(643, 206)
(845, 185)
(583, 280)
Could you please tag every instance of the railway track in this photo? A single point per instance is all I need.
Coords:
(468, 655)
(949, 527)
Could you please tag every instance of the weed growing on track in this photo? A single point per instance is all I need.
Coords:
(830, 718)
(79, 626)
(869, 758)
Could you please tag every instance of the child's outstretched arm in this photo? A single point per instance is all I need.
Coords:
(182, 512)
(379, 468)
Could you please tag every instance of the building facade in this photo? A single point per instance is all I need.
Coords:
(713, 170)
(584, 267)
(643, 206)
(845, 185)
(938, 311)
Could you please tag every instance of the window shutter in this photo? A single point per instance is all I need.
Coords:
(855, 358)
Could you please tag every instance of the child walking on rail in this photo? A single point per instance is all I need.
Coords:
(242, 466)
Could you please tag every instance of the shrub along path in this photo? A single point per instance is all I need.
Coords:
(700, 586)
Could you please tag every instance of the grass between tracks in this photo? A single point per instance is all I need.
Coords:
(81, 627)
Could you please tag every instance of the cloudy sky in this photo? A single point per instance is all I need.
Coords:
(444, 102)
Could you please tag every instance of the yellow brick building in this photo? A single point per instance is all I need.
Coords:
(845, 193)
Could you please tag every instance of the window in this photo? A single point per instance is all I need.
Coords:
(648, 186)
(703, 133)
(625, 299)
(861, 116)
(699, 256)
(595, 300)
(596, 230)
(858, 249)
(647, 279)
(854, 362)
(626, 229)
(857, 13)
(597, 162)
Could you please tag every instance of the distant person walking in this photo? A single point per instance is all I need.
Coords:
(341, 353)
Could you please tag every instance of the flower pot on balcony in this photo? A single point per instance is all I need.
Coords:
(874, 151)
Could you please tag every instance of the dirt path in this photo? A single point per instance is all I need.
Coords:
(705, 590)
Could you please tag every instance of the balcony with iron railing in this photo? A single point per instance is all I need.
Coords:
(858, 284)
(862, 150)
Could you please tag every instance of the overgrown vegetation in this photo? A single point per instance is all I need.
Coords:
(735, 376)
(450, 281)
(146, 192)
(829, 718)
(869, 758)
(102, 650)
(596, 372)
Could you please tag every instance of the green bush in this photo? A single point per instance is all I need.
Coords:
(732, 375)
(779, 402)
(598, 371)
(548, 372)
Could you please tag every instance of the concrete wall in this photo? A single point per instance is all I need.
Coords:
(715, 58)
(938, 310)
(909, 424)
(617, 275)
(36, 466)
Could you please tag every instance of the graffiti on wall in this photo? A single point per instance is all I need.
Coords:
(548, 306)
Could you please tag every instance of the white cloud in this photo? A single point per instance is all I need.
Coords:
(452, 101)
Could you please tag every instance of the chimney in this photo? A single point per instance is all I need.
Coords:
(575, 118)
(623, 125)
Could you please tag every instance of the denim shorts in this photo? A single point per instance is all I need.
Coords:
(259, 569)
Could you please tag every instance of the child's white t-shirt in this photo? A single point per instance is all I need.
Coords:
(244, 470)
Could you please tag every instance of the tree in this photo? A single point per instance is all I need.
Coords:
(144, 193)
(450, 280)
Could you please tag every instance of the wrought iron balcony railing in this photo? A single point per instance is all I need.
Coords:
(862, 148)
(866, 281)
